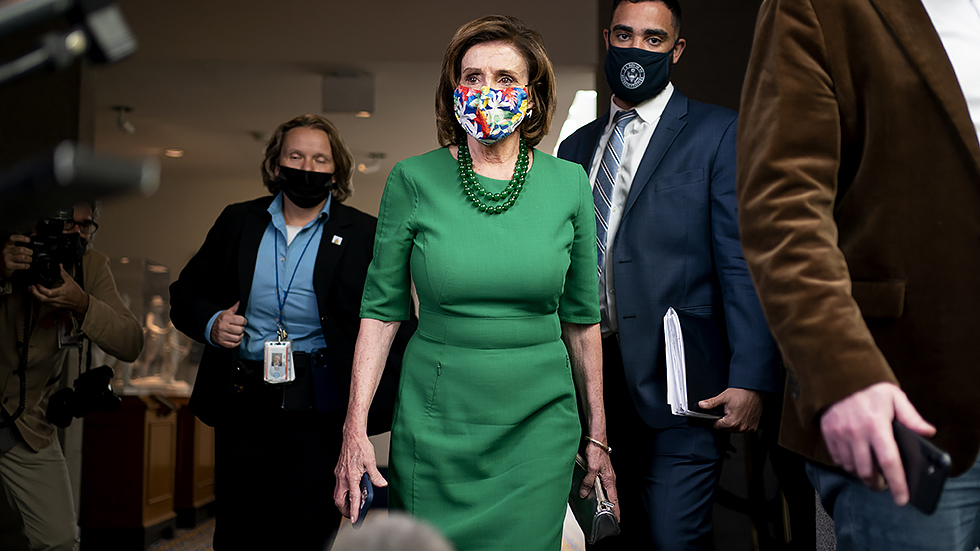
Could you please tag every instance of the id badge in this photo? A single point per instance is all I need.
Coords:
(67, 336)
(279, 366)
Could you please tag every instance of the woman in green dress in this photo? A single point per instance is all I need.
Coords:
(499, 240)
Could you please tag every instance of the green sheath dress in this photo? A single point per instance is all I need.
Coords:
(486, 426)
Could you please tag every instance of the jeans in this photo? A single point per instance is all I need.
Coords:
(868, 520)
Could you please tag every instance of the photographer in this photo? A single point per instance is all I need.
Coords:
(55, 291)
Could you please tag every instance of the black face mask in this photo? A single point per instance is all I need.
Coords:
(305, 189)
(636, 75)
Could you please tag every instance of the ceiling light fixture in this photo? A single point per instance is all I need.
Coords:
(363, 114)
(122, 121)
(372, 165)
(174, 153)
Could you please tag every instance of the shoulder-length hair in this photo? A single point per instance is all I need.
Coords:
(343, 161)
(542, 89)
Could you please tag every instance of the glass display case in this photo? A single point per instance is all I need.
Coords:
(168, 364)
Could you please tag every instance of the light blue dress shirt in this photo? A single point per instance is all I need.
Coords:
(301, 315)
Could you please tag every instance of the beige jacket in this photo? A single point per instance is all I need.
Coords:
(107, 322)
(859, 205)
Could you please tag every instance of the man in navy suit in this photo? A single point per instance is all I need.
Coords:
(663, 174)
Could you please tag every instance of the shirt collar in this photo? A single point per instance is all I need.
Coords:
(279, 221)
(648, 110)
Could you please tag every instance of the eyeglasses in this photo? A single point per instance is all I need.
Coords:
(86, 226)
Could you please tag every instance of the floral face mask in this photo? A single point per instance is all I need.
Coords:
(490, 115)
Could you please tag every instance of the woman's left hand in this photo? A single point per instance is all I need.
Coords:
(598, 464)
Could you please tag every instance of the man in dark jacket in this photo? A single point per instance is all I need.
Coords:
(662, 169)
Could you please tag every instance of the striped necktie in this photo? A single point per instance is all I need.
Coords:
(605, 180)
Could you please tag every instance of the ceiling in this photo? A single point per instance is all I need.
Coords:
(211, 74)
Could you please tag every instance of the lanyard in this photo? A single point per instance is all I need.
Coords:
(281, 329)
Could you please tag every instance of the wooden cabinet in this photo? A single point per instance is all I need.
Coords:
(194, 494)
(128, 475)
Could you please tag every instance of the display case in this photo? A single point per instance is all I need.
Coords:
(168, 364)
(148, 467)
(194, 493)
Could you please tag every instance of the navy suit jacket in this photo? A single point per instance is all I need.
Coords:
(678, 246)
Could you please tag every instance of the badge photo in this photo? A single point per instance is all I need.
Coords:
(278, 362)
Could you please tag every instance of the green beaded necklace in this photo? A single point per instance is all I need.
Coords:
(476, 192)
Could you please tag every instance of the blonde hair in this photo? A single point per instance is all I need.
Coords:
(343, 161)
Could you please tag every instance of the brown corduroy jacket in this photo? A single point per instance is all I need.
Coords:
(859, 206)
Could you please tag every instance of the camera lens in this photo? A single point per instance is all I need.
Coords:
(59, 408)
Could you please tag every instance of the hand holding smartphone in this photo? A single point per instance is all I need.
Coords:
(367, 496)
(926, 467)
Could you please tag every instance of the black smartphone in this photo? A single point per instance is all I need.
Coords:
(367, 496)
(926, 467)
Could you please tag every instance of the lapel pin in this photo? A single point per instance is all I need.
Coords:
(337, 240)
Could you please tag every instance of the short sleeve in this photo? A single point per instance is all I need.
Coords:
(580, 301)
(387, 290)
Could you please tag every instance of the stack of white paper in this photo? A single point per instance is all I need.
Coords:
(677, 368)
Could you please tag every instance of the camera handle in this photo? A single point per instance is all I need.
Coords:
(79, 277)
(7, 419)
(88, 355)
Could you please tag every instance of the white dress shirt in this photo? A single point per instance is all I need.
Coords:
(637, 136)
(958, 25)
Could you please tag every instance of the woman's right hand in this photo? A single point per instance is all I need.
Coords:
(356, 458)
(356, 452)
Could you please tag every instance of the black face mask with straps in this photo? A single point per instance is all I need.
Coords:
(304, 188)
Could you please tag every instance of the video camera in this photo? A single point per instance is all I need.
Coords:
(69, 172)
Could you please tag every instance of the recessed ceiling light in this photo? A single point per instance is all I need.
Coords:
(362, 114)
(372, 165)
(174, 153)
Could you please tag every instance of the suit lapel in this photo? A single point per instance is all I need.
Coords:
(670, 125)
(333, 242)
(593, 134)
(252, 232)
(915, 34)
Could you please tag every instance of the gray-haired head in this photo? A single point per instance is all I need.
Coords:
(393, 532)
